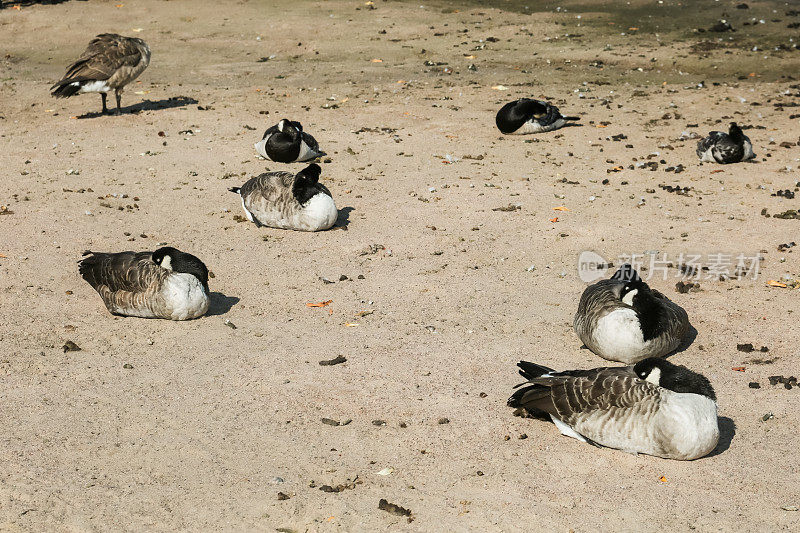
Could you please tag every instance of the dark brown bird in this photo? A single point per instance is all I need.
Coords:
(109, 63)
(653, 407)
(166, 283)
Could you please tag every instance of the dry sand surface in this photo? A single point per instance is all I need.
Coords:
(161, 426)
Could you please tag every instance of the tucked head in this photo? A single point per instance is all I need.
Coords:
(287, 126)
(633, 284)
(305, 183)
(676, 378)
(735, 131)
(311, 173)
(176, 261)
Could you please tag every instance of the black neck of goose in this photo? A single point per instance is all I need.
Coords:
(683, 380)
(735, 133)
(649, 311)
(189, 264)
(305, 185)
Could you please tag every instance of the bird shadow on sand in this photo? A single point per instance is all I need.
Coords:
(9, 3)
(221, 304)
(146, 105)
(727, 430)
(343, 220)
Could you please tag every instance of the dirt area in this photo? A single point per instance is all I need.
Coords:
(161, 426)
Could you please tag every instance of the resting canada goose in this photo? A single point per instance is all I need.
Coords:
(622, 319)
(653, 407)
(110, 62)
(166, 283)
(286, 142)
(288, 201)
(530, 116)
(731, 147)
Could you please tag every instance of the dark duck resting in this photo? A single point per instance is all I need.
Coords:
(288, 201)
(653, 407)
(530, 116)
(286, 142)
(725, 148)
(166, 283)
(623, 319)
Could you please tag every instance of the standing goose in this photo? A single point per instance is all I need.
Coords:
(166, 283)
(653, 407)
(622, 319)
(288, 201)
(530, 116)
(286, 142)
(731, 147)
(110, 62)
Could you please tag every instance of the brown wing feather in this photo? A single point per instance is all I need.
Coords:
(568, 396)
(596, 301)
(106, 53)
(269, 196)
(124, 271)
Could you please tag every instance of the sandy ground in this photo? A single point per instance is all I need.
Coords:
(160, 426)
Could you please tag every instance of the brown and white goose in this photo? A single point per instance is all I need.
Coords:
(623, 319)
(166, 283)
(109, 63)
(653, 407)
(288, 201)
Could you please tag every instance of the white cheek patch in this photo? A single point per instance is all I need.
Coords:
(628, 298)
(166, 262)
(281, 125)
(654, 377)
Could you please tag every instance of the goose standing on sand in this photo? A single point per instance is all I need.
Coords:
(731, 147)
(286, 142)
(166, 283)
(623, 319)
(653, 407)
(288, 201)
(110, 62)
(530, 116)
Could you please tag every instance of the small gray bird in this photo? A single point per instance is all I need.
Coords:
(653, 407)
(731, 147)
(166, 283)
(109, 63)
(288, 201)
(623, 319)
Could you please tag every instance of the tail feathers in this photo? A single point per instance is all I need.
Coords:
(86, 267)
(237, 190)
(516, 399)
(573, 119)
(531, 370)
(527, 397)
(65, 88)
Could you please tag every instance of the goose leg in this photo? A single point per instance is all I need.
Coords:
(105, 109)
(119, 99)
